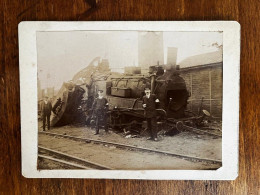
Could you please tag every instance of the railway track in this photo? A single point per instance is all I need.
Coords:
(68, 160)
(180, 126)
(135, 148)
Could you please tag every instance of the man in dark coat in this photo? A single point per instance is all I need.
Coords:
(46, 112)
(149, 105)
(100, 107)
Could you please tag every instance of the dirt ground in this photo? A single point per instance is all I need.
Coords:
(116, 158)
(184, 143)
(48, 164)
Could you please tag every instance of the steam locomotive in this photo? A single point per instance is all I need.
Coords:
(124, 92)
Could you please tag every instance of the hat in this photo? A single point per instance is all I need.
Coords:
(147, 89)
(101, 91)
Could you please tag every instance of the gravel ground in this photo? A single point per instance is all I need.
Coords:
(49, 164)
(116, 158)
(184, 143)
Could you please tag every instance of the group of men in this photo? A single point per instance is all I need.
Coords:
(149, 104)
(100, 107)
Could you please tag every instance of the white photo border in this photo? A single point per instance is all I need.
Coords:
(230, 112)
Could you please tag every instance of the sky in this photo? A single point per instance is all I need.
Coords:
(60, 55)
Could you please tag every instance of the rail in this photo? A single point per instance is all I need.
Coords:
(69, 160)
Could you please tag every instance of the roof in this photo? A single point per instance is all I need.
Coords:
(202, 59)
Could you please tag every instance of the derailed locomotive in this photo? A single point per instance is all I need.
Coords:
(124, 93)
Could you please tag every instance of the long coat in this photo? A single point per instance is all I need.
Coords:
(46, 108)
(100, 107)
(150, 109)
(99, 104)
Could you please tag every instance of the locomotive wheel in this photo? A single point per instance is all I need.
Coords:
(180, 125)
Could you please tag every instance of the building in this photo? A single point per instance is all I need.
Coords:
(203, 76)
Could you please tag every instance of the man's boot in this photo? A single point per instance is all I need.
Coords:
(97, 131)
(106, 128)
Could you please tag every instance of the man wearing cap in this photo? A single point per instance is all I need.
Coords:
(99, 107)
(149, 105)
(46, 112)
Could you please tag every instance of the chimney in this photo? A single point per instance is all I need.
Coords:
(172, 56)
(150, 49)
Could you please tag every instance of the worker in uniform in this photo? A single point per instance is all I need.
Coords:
(46, 112)
(149, 105)
(99, 108)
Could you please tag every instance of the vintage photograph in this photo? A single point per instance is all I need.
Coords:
(129, 100)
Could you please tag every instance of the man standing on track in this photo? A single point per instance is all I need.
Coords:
(46, 112)
(99, 107)
(149, 105)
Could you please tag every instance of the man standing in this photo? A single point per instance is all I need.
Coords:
(46, 112)
(149, 105)
(99, 107)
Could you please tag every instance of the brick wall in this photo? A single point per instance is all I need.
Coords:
(204, 82)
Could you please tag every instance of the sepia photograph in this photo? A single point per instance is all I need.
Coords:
(142, 99)
(129, 100)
